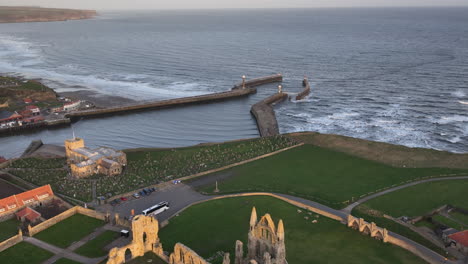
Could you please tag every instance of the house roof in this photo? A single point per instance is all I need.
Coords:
(460, 237)
(29, 213)
(2, 159)
(30, 107)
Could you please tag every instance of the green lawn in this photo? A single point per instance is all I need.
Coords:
(8, 228)
(70, 230)
(39, 163)
(422, 198)
(460, 217)
(329, 177)
(24, 253)
(447, 222)
(215, 226)
(65, 261)
(94, 248)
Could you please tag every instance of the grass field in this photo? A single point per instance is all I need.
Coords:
(329, 177)
(447, 222)
(24, 253)
(422, 198)
(94, 248)
(8, 228)
(66, 261)
(70, 230)
(214, 226)
(414, 201)
(146, 166)
(390, 154)
(463, 218)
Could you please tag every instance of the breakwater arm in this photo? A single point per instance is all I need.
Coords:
(265, 115)
(164, 104)
(235, 92)
(259, 81)
(306, 91)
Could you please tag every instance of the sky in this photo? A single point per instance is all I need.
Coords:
(208, 4)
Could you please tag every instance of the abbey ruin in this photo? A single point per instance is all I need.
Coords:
(85, 162)
(265, 245)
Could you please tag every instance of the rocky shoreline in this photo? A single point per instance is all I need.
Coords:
(20, 14)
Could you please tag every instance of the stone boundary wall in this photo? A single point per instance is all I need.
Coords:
(164, 103)
(265, 115)
(162, 185)
(60, 217)
(11, 241)
(306, 91)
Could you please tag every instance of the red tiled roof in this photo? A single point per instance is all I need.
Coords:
(29, 213)
(27, 100)
(460, 237)
(2, 159)
(17, 201)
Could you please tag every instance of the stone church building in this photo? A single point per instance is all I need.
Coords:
(85, 162)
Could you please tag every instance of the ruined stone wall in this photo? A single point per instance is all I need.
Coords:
(184, 255)
(11, 241)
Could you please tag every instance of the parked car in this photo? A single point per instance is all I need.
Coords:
(115, 202)
(136, 196)
(176, 181)
(153, 189)
(123, 198)
(142, 193)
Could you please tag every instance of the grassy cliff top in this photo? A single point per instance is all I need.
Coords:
(11, 14)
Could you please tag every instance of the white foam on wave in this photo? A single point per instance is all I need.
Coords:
(451, 119)
(19, 57)
(459, 93)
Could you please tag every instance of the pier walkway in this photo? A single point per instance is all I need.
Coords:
(244, 89)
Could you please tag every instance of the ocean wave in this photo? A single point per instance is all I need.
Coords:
(18, 56)
(451, 119)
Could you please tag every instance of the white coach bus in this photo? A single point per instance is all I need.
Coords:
(156, 209)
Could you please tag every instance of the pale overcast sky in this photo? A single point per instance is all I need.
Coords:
(201, 4)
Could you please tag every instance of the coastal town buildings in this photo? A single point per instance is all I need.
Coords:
(12, 204)
(85, 162)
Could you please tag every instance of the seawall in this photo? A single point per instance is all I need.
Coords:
(237, 91)
(265, 115)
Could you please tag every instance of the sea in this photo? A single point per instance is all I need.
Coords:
(396, 75)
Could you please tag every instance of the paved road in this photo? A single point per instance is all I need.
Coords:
(179, 196)
(350, 207)
(61, 252)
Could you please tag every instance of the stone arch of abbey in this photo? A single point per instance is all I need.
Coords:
(368, 228)
(184, 255)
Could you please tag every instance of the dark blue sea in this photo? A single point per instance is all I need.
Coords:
(392, 75)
